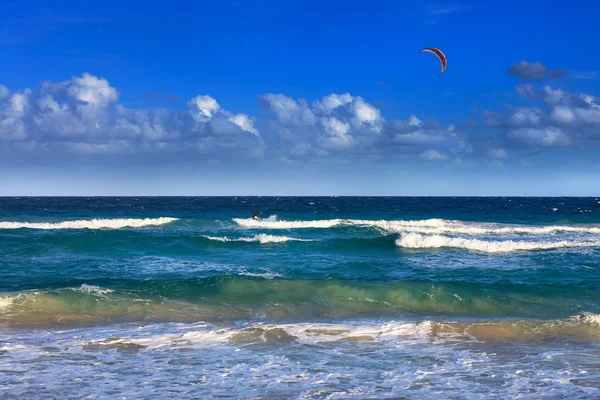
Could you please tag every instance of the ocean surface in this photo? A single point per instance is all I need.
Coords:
(322, 298)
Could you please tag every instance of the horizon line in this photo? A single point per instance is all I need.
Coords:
(325, 196)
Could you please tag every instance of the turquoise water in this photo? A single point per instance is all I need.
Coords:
(321, 298)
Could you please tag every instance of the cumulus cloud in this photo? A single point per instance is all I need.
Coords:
(202, 108)
(565, 120)
(3, 92)
(287, 110)
(546, 136)
(335, 123)
(82, 115)
(348, 126)
(429, 138)
(535, 71)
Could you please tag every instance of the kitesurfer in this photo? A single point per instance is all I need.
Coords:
(256, 214)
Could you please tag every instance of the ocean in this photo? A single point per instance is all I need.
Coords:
(321, 298)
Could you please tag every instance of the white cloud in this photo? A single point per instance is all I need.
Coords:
(13, 116)
(521, 116)
(335, 127)
(338, 131)
(91, 89)
(202, 108)
(334, 123)
(552, 96)
(562, 114)
(366, 113)
(331, 102)
(4, 92)
(414, 121)
(245, 122)
(568, 120)
(287, 110)
(416, 136)
(82, 115)
(544, 137)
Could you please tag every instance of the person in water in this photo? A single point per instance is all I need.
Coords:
(255, 215)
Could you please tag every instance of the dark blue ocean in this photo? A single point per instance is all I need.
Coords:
(322, 297)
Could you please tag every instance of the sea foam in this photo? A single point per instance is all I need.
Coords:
(5, 302)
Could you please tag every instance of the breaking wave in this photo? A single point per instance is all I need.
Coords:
(427, 226)
(417, 241)
(390, 331)
(273, 223)
(90, 224)
(261, 238)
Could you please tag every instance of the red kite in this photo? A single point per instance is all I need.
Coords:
(438, 53)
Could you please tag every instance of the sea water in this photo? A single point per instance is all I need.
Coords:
(323, 297)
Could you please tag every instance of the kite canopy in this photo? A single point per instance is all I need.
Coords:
(438, 53)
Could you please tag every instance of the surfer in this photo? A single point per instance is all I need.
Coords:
(255, 215)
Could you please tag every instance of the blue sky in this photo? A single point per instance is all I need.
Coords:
(299, 97)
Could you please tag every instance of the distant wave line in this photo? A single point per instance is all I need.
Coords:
(427, 226)
(118, 223)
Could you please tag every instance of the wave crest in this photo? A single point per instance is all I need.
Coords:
(417, 241)
(426, 226)
(261, 238)
(117, 223)
(273, 223)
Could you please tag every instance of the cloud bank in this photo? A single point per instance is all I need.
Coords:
(559, 119)
(83, 117)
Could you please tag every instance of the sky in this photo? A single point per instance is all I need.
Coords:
(291, 97)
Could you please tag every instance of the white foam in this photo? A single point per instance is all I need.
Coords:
(232, 367)
(5, 302)
(90, 224)
(427, 226)
(261, 238)
(91, 289)
(273, 223)
(306, 333)
(439, 226)
(587, 318)
(319, 333)
(266, 275)
(417, 241)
